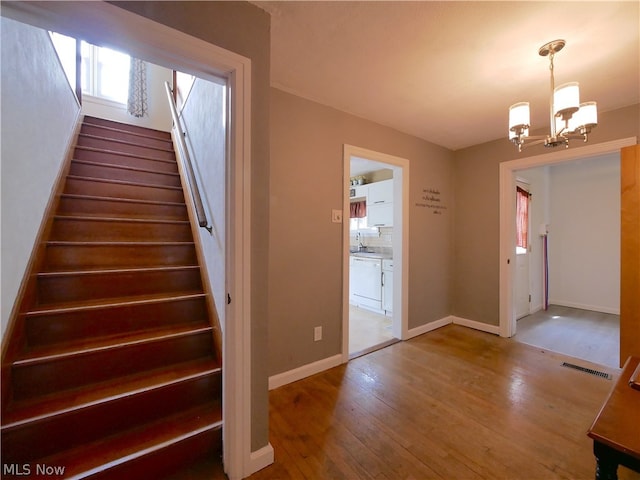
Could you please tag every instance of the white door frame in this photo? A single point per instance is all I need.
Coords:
(400, 328)
(105, 24)
(507, 214)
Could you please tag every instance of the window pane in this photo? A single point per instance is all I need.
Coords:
(87, 84)
(66, 49)
(113, 75)
(522, 218)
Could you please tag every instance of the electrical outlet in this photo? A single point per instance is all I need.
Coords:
(336, 216)
(317, 334)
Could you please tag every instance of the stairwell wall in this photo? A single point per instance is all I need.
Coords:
(203, 122)
(39, 115)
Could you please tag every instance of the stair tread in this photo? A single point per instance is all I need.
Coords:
(124, 220)
(41, 408)
(47, 353)
(128, 132)
(121, 448)
(123, 142)
(123, 182)
(70, 243)
(125, 167)
(127, 127)
(76, 273)
(113, 302)
(123, 154)
(78, 196)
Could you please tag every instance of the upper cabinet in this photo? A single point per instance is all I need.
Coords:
(380, 204)
(380, 192)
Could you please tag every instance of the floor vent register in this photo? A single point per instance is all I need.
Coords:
(587, 370)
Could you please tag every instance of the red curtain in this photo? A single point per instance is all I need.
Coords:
(358, 210)
(522, 217)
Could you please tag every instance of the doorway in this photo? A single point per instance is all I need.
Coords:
(526, 167)
(576, 238)
(374, 251)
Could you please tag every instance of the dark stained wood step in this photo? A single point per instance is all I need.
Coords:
(122, 189)
(153, 451)
(64, 287)
(127, 136)
(18, 412)
(77, 423)
(64, 256)
(90, 120)
(126, 147)
(116, 373)
(83, 168)
(100, 155)
(92, 228)
(44, 371)
(74, 204)
(107, 318)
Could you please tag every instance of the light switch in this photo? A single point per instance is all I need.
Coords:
(336, 216)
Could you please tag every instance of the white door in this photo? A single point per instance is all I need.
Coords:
(522, 286)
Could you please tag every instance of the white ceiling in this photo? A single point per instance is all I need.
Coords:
(448, 71)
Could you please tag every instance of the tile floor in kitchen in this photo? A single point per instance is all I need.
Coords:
(368, 331)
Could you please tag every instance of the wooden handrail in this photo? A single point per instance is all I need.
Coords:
(186, 161)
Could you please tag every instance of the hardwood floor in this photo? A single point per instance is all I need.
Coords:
(454, 403)
(591, 336)
(368, 331)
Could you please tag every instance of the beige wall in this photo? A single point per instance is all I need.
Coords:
(242, 28)
(305, 248)
(477, 207)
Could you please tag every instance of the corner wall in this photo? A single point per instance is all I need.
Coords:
(39, 115)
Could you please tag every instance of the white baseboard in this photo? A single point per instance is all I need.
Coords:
(414, 332)
(484, 327)
(582, 306)
(260, 459)
(304, 371)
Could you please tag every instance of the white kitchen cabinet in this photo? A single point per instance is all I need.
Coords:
(380, 215)
(380, 192)
(365, 282)
(380, 204)
(362, 191)
(387, 286)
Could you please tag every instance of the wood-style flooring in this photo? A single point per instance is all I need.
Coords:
(591, 336)
(454, 403)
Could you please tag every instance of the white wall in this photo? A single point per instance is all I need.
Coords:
(39, 115)
(203, 117)
(159, 117)
(584, 234)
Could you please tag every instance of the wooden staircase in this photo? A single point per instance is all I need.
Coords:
(113, 369)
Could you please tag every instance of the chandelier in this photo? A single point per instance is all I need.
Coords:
(569, 118)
